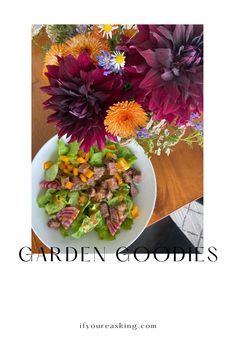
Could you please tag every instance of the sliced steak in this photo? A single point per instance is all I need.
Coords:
(136, 176)
(109, 195)
(54, 223)
(133, 190)
(111, 168)
(98, 172)
(53, 185)
(83, 167)
(112, 184)
(100, 194)
(104, 184)
(114, 216)
(77, 184)
(67, 215)
(91, 192)
(128, 176)
(64, 179)
(104, 210)
(91, 181)
(110, 159)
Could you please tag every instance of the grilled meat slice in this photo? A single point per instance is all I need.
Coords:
(133, 190)
(128, 176)
(104, 210)
(112, 184)
(67, 215)
(83, 167)
(136, 176)
(53, 185)
(111, 168)
(54, 223)
(98, 172)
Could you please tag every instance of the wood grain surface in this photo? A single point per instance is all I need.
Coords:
(179, 176)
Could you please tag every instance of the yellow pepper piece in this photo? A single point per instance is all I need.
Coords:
(64, 159)
(122, 164)
(135, 211)
(109, 155)
(118, 178)
(68, 185)
(83, 178)
(62, 166)
(87, 156)
(75, 171)
(89, 173)
(47, 164)
(82, 199)
(111, 147)
(70, 167)
(80, 160)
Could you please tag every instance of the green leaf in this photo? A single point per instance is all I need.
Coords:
(51, 173)
(126, 153)
(43, 199)
(97, 159)
(88, 224)
(127, 224)
(57, 202)
(103, 231)
(73, 151)
(73, 198)
(62, 147)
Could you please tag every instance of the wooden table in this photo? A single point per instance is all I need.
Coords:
(179, 176)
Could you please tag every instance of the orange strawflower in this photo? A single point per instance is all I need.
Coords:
(124, 118)
(88, 42)
(51, 56)
(130, 32)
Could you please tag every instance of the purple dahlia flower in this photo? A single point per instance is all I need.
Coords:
(80, 95)
(165, 67)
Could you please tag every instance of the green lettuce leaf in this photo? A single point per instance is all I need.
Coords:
(43, 199)
(73, 198)
(127, 224)
(76, 223)
(62, 147)
(97, 159)
(88, 224)
(51, 173)
(57, 202)
(103, 231)
(73, 151)
(126, 153)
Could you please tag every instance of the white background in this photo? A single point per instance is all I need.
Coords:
(193, 304)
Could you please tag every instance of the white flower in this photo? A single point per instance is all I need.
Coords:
(166, 132)
(167, 151)
(107, 30)
(158, 151)
(118, 60)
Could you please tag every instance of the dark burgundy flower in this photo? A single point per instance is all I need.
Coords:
(165, 67)
(80, 95)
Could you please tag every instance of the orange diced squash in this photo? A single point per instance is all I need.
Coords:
(47, 164)
(111, 147)
(89, 173)
(75, 171)
(80, 160)
(64, 159)
(109, 155)
(118, 178)
(87, 156)
(70, 167)
(135, 211)
(62, 166)
(82, 199)
(83, 178)
(68, 185)
(122, 164)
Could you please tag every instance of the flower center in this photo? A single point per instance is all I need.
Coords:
(107, 28)
(120, 59)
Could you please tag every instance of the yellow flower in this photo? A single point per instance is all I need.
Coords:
(88, 42)
(124, 118)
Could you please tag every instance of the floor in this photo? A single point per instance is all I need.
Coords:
(190, 221)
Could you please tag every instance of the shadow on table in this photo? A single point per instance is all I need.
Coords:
(162, 236)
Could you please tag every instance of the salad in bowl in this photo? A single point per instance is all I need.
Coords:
(96, 191)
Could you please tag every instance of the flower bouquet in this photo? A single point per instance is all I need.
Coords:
(122, 82)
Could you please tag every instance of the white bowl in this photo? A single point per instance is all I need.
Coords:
(52, 238)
